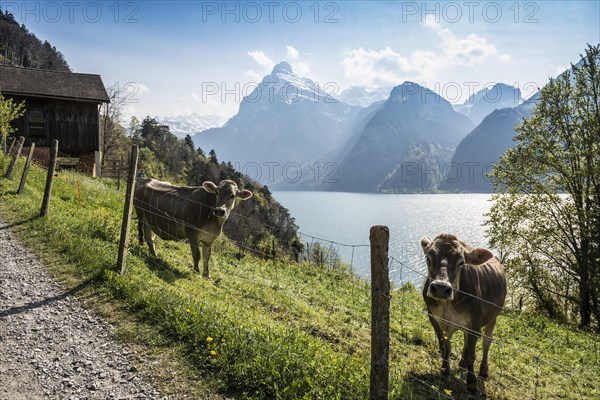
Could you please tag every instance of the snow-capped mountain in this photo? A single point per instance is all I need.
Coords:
(359, 96)
(286, 118)
(414, 128)
(191, 124)
(483, 102)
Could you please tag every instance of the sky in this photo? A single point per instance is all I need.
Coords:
(177, 58)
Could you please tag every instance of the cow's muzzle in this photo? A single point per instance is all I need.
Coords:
(220, 212)
(440, 290)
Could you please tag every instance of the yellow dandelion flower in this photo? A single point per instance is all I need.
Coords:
(448, 392)
(209, 339)
(213, 353)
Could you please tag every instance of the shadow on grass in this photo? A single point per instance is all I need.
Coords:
(161, 268)
(431, 386)
(19, 223)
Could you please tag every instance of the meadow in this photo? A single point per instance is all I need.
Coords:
(270, 329)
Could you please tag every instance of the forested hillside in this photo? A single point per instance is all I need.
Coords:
(260, 221)
(20, 47)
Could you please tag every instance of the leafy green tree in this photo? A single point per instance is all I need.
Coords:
(546, 217)
(9, 111)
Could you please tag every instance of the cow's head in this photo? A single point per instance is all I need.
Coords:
(446, 257)
(226, 193)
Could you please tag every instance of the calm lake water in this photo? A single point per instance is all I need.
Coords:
(347, 218)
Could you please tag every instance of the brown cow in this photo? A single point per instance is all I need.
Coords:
(465, 289)
(195, 213)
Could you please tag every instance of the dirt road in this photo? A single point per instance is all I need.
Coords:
(50, 347)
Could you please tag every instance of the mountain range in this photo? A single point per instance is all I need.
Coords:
(395, 139)
(407, 139)
(483, 102)
(285, 119)
(191, 124)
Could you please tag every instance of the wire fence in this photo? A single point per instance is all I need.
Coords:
(506, 378)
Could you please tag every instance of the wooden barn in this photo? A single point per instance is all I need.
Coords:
(59, 105)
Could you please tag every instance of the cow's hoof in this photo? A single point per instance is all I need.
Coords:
(206, 276)
(483, 375)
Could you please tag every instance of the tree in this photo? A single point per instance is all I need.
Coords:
(189, 142)
(135, 131)
(113, 137)
(9, 111)
(546, 217)
(213, 156)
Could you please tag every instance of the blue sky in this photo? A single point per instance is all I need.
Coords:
(177, 53)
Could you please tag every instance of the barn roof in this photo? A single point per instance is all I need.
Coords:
(60, 85)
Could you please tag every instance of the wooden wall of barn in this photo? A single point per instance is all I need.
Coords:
(74, 124)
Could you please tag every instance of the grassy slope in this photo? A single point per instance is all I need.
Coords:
(260, 329)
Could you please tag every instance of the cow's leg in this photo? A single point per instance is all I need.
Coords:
(465, 353)
(206, 249)
(149, 236)
(471, 343)
(487, 341)
(445, 346)
(140, 231)
(196, 256)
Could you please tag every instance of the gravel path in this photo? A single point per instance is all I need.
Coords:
(50, 347)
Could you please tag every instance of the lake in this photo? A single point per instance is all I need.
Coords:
(347, 217)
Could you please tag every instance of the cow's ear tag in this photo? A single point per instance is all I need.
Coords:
(244, 194)
(210, 187)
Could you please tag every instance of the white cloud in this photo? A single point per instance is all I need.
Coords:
(372, 68)
(466, 51)
(266, 63)
(141, 88)
(292, 53)
(262, 59)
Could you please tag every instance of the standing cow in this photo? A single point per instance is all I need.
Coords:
(465, 289)
(195, 213)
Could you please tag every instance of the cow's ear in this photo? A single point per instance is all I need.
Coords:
(478, 256)
(244, 194)
(425, 242)
(210, 187)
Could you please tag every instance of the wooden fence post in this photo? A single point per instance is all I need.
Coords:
(49, 178)
(125, 227)
(15, 156)
(119, 174)
(12, 143)
(26, 169)
(380, 312)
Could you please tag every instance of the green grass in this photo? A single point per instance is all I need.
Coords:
(266, 330)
